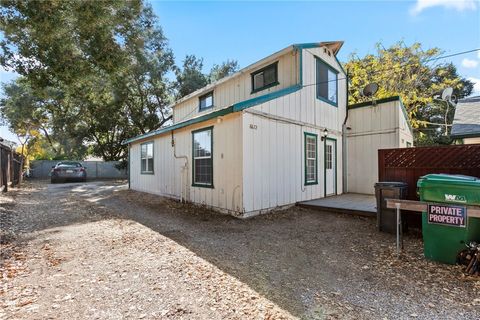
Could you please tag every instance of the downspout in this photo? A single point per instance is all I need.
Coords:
(344, 141)
(183, 195)
(128, 166)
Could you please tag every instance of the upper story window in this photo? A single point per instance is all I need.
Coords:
(206, 101)
(327, 83)
(146, 157)
(265, 78)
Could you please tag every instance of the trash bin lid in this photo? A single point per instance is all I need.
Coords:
(449, 179)
(390, 184)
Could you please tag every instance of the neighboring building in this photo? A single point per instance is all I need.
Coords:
(265, 137)
(466, 123)
(371, 127)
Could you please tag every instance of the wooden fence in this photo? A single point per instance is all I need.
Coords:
(10, 167)
(409, 164)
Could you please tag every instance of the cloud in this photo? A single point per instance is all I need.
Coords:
(469, 63)
(459, 5)
(476, 86)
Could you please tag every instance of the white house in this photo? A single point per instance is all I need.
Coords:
(381, 124)
(265, 137)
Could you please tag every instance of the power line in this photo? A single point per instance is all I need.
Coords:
(394, 67)
(370, 73)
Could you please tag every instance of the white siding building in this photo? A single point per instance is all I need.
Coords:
(370, 127)
(265, 137)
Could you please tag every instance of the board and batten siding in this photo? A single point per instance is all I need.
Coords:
(273, 150)
(274, 164)
(372, 128)
(303, 105)
(239, 88)
(169, 177)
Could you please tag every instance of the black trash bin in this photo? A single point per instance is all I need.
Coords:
(387, 218)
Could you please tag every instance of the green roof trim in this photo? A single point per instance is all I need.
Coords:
(369, 103)
(265, 98)
(239, 106)
(341, 67)
(384, 100)
(183, 124)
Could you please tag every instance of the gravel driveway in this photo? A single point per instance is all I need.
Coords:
(100, 251)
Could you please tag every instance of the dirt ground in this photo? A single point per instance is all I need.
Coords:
(100, 251)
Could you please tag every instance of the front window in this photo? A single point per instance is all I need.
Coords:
(311, 158)
(146, 157)
(327, 82)
(206, 101)
(203, 157)
(265, 78)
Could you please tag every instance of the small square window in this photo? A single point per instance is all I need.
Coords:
(206, 101)
(265, 78)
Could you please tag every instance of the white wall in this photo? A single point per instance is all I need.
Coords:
(239, 88)
(471, 140)
(273, 164)
(372, 128)
(263, 147)
(273, 151)
(168, 176)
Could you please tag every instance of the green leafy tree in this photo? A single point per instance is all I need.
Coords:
(223, 70)
(414, 74)
(190, 77)
(100, 67)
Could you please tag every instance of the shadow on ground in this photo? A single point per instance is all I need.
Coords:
(290, 257)
(299, 259)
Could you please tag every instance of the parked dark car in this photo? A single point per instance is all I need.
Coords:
(68, 171)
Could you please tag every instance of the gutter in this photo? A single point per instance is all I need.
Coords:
(344, 140)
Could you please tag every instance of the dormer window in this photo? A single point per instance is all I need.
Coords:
(265, 78)
(206, 101)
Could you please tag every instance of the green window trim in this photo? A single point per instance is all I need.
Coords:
(208, 94)
(307, 135)
(320, 61)
(268, 85)
(196, 184)
(146, 158)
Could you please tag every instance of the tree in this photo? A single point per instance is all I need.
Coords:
(190, 77)
(100, 66)
(223, 70)
(414, 74)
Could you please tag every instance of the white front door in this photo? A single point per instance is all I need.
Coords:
(330, 167)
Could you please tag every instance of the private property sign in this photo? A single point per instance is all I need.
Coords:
(449, 215)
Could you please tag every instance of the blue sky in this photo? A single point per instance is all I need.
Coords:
(248, 31)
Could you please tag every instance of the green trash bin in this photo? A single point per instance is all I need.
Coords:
(446, 227)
